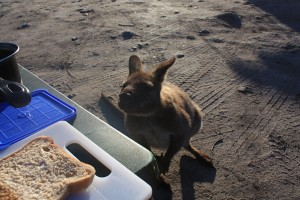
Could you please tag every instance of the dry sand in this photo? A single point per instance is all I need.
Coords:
(238, 59)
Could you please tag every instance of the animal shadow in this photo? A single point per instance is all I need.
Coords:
(191, 171)
(112, 116)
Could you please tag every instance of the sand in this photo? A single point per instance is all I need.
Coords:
(239, 60)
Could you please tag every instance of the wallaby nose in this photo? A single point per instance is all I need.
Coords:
(125, 96)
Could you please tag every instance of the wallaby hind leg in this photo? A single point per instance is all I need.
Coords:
(198, 154)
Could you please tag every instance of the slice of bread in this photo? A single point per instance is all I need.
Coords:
(42, 170)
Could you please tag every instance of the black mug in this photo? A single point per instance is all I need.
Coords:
(11, 88)
(9, 69)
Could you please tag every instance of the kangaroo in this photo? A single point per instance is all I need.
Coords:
(158, 113)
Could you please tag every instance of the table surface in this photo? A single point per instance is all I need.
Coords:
(132, 155)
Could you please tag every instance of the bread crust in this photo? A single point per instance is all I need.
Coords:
(6, 193)
(71, 184)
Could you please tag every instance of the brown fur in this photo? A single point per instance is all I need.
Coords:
(159, 114)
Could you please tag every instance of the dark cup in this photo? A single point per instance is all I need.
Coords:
(9, 69)
(11, 89)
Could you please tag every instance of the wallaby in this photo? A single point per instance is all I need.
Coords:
(159, 114)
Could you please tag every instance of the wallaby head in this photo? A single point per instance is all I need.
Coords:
(140, 94)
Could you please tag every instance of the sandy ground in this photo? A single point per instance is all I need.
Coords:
(238, 59)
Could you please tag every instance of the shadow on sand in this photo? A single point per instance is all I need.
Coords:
(280, 70)
(286, 11)
(112, 116)
(191, 171)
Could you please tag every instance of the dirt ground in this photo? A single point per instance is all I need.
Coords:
(238, 59)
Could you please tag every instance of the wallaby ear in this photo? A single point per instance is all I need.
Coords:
(161, 70)
(135, 64)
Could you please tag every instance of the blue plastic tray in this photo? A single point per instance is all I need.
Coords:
(43, 110)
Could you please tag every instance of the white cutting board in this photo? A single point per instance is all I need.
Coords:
(121, 183)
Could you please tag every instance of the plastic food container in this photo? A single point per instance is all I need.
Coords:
(43, 110)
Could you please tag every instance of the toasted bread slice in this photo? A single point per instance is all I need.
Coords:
(42, 170)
